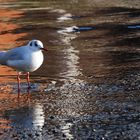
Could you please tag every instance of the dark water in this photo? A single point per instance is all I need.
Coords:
(88, 85)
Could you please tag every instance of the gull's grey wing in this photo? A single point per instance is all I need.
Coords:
(13, 54)
(16, 53)
(2, 60)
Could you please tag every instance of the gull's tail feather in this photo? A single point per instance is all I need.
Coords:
(2, 59)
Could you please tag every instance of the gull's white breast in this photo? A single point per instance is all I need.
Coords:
(35, 61)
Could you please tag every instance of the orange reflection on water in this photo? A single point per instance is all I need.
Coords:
(4, 124)
(8, 38)
(4, 13)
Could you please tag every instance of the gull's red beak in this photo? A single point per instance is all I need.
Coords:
(44, 49)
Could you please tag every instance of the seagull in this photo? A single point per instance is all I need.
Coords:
(24, 59)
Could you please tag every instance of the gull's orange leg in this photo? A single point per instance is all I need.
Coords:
(28, 81)
(18, 79)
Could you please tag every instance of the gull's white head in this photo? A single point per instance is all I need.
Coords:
(36, 45)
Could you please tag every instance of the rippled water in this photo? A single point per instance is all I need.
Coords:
(88, 85)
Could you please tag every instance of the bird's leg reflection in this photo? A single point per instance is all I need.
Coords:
(28, 98)
(24, 99)
(18, 79)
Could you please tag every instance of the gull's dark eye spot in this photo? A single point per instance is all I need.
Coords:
(31, 44)
(36, 44)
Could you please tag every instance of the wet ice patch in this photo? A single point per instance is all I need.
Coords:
(24, 87)
(12, 88)
(104, 125)
(51, 86)
(83, 86)
(64, 17)
(75, 29)
(68, 30)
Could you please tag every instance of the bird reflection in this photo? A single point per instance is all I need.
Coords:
(31, 117)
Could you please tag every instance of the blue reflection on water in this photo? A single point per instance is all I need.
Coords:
(84, 28)
(133, 27)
